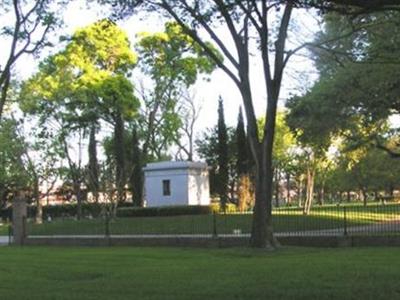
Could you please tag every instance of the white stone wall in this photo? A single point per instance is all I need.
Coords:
(198, 186)
(189, 184)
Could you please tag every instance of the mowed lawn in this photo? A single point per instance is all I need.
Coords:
(284, 220)
(171, 273)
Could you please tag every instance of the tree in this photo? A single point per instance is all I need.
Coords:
(359, 78)
(81, 85)
(13, 176)
(42, 157)
(284, 144)
(136, 179)
(93, 165)
(34, 21)
(243, 163)
(222, 156)
(189, 112)
(172, 62)
(243, 167)
(242, 20)
(207, 147)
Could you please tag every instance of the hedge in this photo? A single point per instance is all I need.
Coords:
(124, 210)
(64, 210)
(163, 211)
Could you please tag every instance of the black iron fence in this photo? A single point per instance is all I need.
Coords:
(349, 220)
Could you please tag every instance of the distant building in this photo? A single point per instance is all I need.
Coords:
(176, 183)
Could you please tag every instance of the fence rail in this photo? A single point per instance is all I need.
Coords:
(321, 221)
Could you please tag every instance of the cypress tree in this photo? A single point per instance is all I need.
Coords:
(119, 156)
(137, 174)
(241, 141)
(223, 175)
(243, 182)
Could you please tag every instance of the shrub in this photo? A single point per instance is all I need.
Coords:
(229, 208)
(163, 211)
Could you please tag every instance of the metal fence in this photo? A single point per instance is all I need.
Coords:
(348, 220)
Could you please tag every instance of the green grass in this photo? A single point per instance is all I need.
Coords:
(285, 220)
(166, 273)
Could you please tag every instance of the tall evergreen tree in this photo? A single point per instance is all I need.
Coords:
(242, 165)
(223, 172)
(136, 178)
(245, 197)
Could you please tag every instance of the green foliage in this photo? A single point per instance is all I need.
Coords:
(163, 211)
(222, 156)
(173, 55)
(87, 80)
(207, 148)
(13, 176)
(360, 90)
(174, 62)
(243, 155)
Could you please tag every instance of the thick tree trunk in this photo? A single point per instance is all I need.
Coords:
(78, 195)
(3, 95)
(39, 208)
(262, 231)
(276, 187)
(310, 190)
(319, 196)
(300, 192)
(93, 164)
(136, 179)
(119, 157)
(288, 199)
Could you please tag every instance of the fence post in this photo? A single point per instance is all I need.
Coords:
(215, 233)
(344, 221)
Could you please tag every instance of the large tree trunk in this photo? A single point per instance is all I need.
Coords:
(300, 192)
(288, 199)
(93, 164)
(3, 95)
(36, 195)
(119, 157)
(78, 194)
(136, 178)
(262, 230)
(310, 190)
(277, 187)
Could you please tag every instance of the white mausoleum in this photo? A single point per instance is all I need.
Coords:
(176, 183)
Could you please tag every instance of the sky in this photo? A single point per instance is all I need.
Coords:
(300, 73)
(77, 14)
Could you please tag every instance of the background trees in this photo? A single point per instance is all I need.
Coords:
(82, 85)
(87, 86)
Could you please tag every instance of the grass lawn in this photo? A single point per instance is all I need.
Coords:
(170, 273)
(285, 220)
